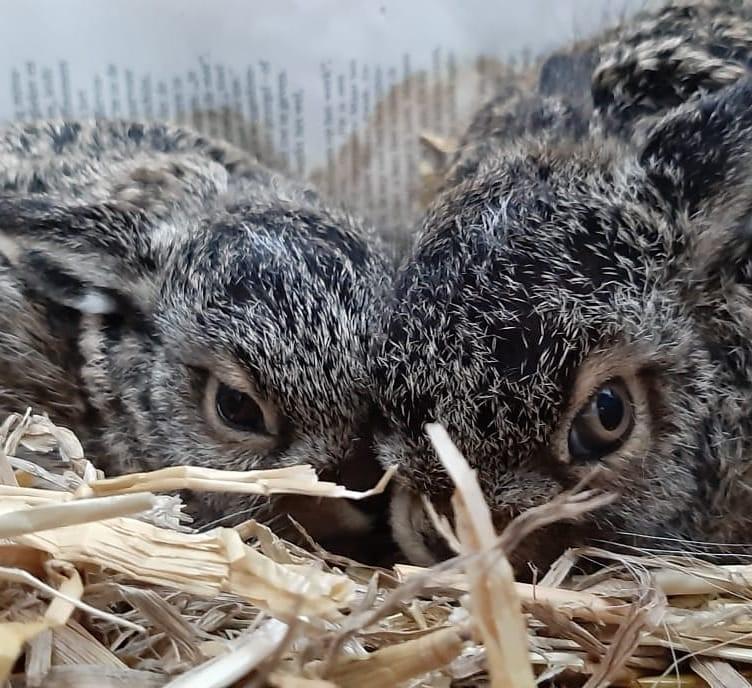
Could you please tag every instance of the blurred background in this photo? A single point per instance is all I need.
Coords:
(335, 91)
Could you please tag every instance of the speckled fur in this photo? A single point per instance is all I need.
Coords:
(615, 80)
(136, 260)
(665, 58)
(552, 266)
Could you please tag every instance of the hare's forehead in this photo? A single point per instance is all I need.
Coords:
(311, 364)
(307, 356)
(269, 249)
(264, 271)
(301, 334)
(494, 356)
(250, 282)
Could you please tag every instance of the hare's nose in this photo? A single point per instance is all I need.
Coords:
(360, 468)
(360, 471)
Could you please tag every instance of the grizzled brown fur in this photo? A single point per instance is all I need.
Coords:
(663, 59)
(553, 266)
(616, 79)
(537, 269)
(140, 262)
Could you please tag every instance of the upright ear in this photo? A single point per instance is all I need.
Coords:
(650, 76)
(665, 56)
(699, 158)
(515, 114)
(94, 258)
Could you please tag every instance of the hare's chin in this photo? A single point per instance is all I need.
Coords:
(410, 526)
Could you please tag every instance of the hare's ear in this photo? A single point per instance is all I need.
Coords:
(96, 259)
(699, 158)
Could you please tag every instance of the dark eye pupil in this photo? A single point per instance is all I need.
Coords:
(602, 424)
(238, 410)
(610, 408)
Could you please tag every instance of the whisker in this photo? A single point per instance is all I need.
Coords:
(674, 666)
(705, 543)
(641, 562)
(249, 512)
(275, 520)
(688, 552)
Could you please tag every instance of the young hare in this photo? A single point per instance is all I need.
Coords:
(174, 302)
(584, 304)
(620, 77)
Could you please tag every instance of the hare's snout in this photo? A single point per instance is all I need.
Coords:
(355, 528)
(422, 544)
(413, 530)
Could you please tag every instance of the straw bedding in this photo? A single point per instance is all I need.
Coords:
(102, 584)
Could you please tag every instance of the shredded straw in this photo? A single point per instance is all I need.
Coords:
(101, 585)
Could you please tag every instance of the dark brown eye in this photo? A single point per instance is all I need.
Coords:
(239, 411)
(603, 424)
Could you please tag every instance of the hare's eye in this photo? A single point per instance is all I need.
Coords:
(238, 411)
(603, 424)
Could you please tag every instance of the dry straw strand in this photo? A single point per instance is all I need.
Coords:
(95, 595)
(497, 611)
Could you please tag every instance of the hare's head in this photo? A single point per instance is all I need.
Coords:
(579, 306)
(223, 322)
(264, 319)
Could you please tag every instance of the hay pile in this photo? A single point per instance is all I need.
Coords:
(102, 585)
